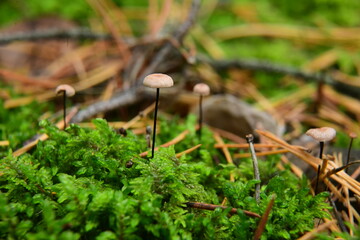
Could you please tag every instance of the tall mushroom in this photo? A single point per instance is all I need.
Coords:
(67, 91)
(157, 80)
(321, 135)
(201, 89)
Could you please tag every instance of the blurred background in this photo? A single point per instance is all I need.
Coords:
(295, 60)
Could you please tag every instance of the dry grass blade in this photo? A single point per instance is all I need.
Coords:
(105, 10)
(351, 104)
(238, 145)
(226, 152)
(350, 212)
(261, 226)
(141, 115)
(187, 151)
(301, 34)
(96, 76)
(295, 169)
(340, 177)
(4, 143)
(26, 80)
(228, 135)
(175, 140)
(336, 170)
(259, 154)
(312, 233)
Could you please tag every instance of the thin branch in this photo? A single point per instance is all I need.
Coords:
(266, 67)
(76, 33)
(212, 207)
(256, 65)
(261, 226)
(122, 99)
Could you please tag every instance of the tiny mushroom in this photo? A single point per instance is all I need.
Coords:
(67, 91)
(157, 80)
(322, 135)
(201, 89)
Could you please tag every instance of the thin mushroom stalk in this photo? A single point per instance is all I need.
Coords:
(202, 90)
(157, 80)
(66, 91)
(155, 118)
(352, 136)
(200, 116)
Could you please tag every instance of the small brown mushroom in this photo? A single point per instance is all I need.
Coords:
(157, 80)
(203, 90)
(67, 91)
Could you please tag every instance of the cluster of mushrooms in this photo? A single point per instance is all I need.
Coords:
(160, 80)
(155, 80)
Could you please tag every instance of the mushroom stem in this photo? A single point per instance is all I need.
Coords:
(155, 117)
(317, 180)
(349, 150)
(321, 169)
(352, 136)
(200, 116)
(64, 108)
(321, 150)
(67, 91)
(250, 140)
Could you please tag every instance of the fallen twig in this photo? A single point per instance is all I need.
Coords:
(213, 207)
(76, 33)
(287, 70)
(264, 218)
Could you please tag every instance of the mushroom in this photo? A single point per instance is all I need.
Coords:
(201, 89)
(157, 80)
(67, 91)
(322, 135)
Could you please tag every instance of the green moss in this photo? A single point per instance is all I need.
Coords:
(76, 185)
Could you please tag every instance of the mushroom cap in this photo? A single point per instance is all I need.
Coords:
(353, 135)
(158, 80)
(69, 90)
(322, 134)
(202, 89)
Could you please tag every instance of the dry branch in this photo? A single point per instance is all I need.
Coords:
(256, 65)
(68, 34)
(213, 207)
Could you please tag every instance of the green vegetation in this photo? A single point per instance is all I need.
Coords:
(20, 124)
(91, 183)
(77, 185)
